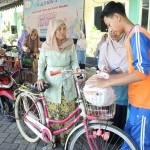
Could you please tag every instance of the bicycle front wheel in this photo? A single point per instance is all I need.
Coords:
(23, 76)
(102, 137)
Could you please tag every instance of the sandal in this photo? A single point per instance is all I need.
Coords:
(51, 146)
(54, 142)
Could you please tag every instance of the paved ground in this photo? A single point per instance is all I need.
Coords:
(11, 139)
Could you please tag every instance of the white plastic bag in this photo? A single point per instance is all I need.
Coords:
(99, 96)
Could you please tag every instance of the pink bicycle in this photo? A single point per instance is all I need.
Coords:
(94, 133)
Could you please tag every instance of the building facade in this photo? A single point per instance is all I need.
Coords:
(137, 11)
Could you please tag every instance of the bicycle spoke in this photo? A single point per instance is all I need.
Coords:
(107, 137)
(24, 109)
(82, 142)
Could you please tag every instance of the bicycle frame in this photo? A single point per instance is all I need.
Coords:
(83, 114)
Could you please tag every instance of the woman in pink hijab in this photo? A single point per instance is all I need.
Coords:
(58, 52)
(113, 60)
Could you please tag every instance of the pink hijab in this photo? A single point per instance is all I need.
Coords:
(51, 42)
(114, 54)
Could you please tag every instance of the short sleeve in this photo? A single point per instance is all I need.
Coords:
(140, 45)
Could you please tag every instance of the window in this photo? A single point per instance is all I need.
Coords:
(98, 22)
(145, 15)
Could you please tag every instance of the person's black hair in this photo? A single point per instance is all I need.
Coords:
(111, 8)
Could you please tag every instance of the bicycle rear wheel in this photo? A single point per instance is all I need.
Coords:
(102, 138)
(23, 103)
(25, 75)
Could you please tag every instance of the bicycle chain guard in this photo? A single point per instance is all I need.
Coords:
(39, 129)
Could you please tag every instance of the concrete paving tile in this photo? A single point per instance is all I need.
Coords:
(12, 131)
(32, 146)
(21, 141)
(41, 143)
(3, 128)
(9, 146)
(5, 122)
(2, 140)
(1, 117)
(12, 126)
(10, 138)
(19, 136)
(39, 148)
(22, 147)
(4, 135)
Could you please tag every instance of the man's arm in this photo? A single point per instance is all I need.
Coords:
(126, 78)
(113, 81)
(112, 76)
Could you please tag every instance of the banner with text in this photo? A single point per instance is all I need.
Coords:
(38, 13)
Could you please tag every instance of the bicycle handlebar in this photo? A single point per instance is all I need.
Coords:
(52, 73)
(81, 77)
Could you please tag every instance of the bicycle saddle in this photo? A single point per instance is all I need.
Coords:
(34, 88)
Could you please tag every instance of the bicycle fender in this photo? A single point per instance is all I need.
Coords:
(81, 125)
(8, 93)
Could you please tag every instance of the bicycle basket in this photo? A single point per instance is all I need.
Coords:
(100, 102)
(101, 113)
(26, 60)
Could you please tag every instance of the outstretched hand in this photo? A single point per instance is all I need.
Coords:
(96, 81)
